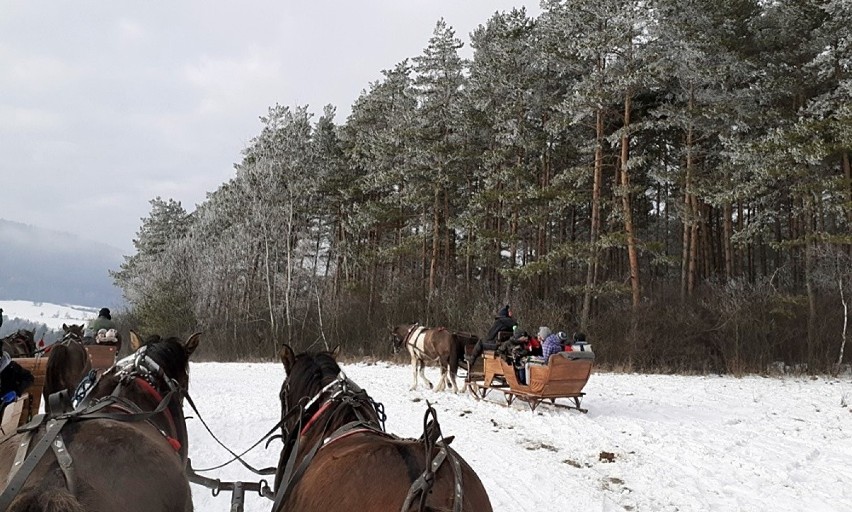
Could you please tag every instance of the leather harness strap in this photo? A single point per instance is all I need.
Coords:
(54, 426)
(413, 337)
(422, 486)
(17, 481)
(66, 464)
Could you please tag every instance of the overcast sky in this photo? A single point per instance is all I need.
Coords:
(106, 105)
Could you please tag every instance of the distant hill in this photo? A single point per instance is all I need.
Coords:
(51, 266)
(43, 318)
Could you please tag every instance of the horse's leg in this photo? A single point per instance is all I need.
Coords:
(414, 371)
(422, 364)
(442, 384)
(453, 371)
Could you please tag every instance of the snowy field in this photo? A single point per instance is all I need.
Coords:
(680, 443)
(52, 315)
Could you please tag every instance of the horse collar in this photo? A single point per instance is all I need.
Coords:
(414, 332)
(408, 334)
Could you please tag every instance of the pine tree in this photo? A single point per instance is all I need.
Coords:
(437, 174)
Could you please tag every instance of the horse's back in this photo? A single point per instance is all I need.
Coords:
(107, 455)
(374, 472)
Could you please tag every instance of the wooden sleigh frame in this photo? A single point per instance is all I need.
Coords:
(28, 404)
(560, 378)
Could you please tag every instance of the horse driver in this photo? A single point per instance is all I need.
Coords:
(502, 328)
(103, 321)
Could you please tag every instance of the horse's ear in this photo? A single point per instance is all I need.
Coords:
(64, 327)
(192, 343)
(135, 341)
(288, 357)
(335, 352)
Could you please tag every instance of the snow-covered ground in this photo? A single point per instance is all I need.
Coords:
(52, 315)
(680, 443)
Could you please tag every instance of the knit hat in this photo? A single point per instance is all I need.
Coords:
(543, 332)
(504, 311)
(104, 312)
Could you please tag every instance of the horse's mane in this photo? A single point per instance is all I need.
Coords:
(169, 353)
(309, 373)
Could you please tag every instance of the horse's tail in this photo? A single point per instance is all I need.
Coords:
(50, 500)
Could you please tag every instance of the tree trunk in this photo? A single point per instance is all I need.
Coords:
(594, 228)
(436, 244)
(847, 172)
(810, 286)
(689, 221)
(626, 204)
(845, 322)
(269, 292)
(728, 232)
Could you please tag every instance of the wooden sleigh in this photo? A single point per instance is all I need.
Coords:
(561, 377)
(102, 356)
(28, 404)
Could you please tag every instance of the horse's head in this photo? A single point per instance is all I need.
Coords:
(398, 336)
(21, 343)
(72, 332)
(161, 362)
(308, 374)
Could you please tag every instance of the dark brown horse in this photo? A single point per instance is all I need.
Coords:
(20, 343)
(67, 364)
(465, 343)
(126, 442)
(337, 456)
(430, 344)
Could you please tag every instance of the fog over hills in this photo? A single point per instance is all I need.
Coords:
(50, 266)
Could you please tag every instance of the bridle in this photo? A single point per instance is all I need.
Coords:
(370, 417)
(339, 389)
(403, 341)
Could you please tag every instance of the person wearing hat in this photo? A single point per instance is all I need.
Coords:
(552, 344)
(502, 329)
(103, 321)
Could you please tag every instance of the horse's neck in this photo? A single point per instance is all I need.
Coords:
(331, 416)
(129, 392)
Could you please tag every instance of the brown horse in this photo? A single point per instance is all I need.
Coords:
(20, 343)
(126, 442)
(67, 364)
(430, 344)
(337, 456)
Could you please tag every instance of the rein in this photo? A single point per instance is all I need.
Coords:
(238, 457)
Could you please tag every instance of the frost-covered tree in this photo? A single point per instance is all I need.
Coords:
(155, 280)
(436, 171)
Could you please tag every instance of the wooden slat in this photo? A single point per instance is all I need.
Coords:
(561, 377)
(38, 367)
(101, 356)
(15, 415)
